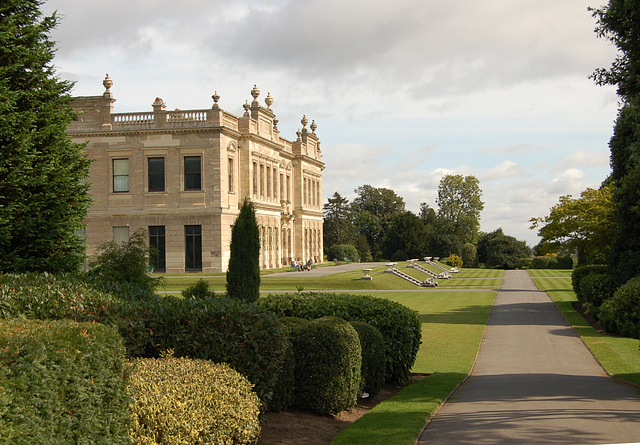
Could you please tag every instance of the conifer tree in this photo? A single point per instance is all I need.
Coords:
(43, 199)
(243, 275)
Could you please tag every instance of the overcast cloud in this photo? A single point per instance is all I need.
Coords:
(402, 92)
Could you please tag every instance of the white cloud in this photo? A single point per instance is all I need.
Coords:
(402, 92)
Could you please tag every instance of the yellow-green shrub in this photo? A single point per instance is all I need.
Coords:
(189, 401)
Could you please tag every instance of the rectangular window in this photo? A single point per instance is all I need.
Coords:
(281, 187)
(120, 175)
(193, 248)
(288, 188)
(268, 182)
(255, 178)
(156, 174)
(192, 173)
(231, 177)
(262, 180)
(158, 249)
(121, 234)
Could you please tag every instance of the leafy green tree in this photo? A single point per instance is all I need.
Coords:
(124, 264)
(505, 252)
(443, 245)
(427, 214)
(407, 233)
(43, 199)
(374, 210)
(469, 255)
(243, 275)
(619, 22)
(585, 225)
(459, 206)
(338, 224)
(484, 241)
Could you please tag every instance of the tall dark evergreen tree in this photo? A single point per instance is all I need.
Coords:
(619, 22)
(43, 198)
(243, 275)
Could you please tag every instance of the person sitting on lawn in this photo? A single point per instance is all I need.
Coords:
(309, 264)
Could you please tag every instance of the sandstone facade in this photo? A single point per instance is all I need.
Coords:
(182, 176)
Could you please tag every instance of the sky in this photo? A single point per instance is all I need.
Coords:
(403, 92)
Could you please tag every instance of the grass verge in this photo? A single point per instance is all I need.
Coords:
(451, 321)
(619, 356)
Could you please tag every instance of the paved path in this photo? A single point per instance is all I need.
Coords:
(534, 381)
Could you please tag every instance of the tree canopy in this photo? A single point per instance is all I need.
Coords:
(585, 225)
(374, 210)
(619, 22)
(338, 223)
(459, 206)
(43, 197)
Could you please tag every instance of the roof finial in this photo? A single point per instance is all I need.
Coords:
(216, 98)
(269, 101)
(255, 92)
(107, 82)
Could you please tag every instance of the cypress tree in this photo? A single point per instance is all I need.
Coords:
(243, 275)
(43, 198)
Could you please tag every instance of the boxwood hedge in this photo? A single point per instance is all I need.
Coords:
(328, 362)
(62, 382)
(399, 325)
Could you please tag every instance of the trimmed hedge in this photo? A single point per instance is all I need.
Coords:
(247, 337)
(328, 362)
(180, 401)
(620, 314)
(582, 271)
(222, 330)
(62, 382)
(595, 289)
(373, 357)
(283, 389)
(48, 297)
(399, 325)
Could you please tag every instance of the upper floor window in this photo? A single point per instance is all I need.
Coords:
(193, 173)
(156, 174)
(120, 175)
(231, 178)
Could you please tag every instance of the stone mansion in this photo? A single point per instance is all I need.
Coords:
(182, 176)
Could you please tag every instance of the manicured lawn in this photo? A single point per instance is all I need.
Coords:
(618, 356)
(345, 281)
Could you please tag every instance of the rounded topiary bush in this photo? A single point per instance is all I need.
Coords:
(400, 326)
(595, 289)
(328, 362)
(180, 400)
(283, 390)
(582, 271)
(620, 314)
(373, 357)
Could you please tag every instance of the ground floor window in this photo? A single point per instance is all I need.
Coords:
(158, 249)
(193, 248)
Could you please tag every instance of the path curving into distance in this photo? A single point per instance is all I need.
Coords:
(534, 382)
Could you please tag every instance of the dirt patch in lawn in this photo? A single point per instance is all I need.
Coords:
(293, 427)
